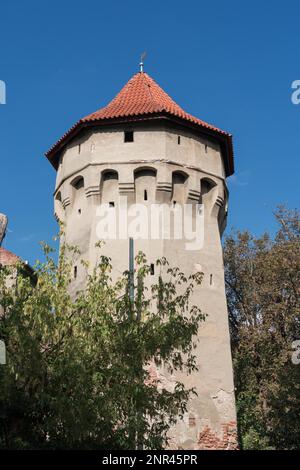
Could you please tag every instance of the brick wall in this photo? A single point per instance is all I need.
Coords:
(208, 440)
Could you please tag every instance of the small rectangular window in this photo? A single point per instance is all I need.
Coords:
(145, 195)
(75, 272)
(152, 269)
(111, 204)
(178, 140)
(128, 136)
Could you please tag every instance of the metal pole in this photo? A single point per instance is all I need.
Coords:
(2, 352)
(131, 270)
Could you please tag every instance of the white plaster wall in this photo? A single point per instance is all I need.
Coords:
(158, 149)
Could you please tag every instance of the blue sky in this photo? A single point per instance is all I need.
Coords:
(229, 63)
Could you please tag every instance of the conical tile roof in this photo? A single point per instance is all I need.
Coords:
(143, 97)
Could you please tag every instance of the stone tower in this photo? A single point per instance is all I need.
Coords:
(144, 147)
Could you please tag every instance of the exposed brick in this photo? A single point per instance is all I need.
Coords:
(208, 439)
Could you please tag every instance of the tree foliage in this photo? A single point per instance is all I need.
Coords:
(262, 282)
(78, 370)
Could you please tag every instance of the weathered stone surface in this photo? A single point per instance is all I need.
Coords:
(154, 162)
(3, 225)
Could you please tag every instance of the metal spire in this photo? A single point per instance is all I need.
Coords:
(142, 62)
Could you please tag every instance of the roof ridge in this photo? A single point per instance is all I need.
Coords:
(161, 90)
(148, 85)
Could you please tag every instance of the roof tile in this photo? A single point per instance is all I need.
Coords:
(7, 258)
(141, 96)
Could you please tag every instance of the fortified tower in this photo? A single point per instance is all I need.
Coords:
(145, 147)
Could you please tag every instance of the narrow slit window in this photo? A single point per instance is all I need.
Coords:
(79, 148)
(178, 140)
(205, 148)
(75, 272)
(211, 279)
(128, 136)
(79, 211)
(145, 195)
(152, 269)
(111, 204)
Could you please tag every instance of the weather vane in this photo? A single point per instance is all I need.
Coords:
(142, 62)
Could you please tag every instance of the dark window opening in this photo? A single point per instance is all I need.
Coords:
(174, 203)
(75, 272)
(205, 148)
(79, 148)
(211, 279)
(111, 204)
(128, 136)
(145, 195)
(152, 269)
(110, 175)
(178, 177)
(79, 183)
(79, 211)
(178, 140)
(58, 196)
(206, 186)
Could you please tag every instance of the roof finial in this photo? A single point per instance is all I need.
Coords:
(142, 62)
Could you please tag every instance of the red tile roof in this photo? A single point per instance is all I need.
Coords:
(7, 258)
(142, 97)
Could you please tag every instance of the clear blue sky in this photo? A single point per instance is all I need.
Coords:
(227, 62)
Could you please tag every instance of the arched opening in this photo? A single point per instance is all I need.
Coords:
(109, 187)
(179, 179)
(58, 207)
(206, 187)
(78, 195)
(145, 185)
(109, 175)
(58, 196)
(78, 182)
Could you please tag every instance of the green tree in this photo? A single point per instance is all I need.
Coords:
(262, 282)
(78, 370)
